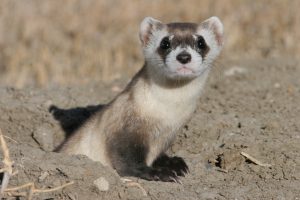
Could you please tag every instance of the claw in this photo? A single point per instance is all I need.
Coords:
(179, 181)
(184, 173)
(156, 178)
(176, 180)
(187, 170)
(173, 179)
(174, 172)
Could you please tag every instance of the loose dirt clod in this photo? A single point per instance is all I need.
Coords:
(8, 172)
(33, 190)
(131, 183)
(44, 137)
(230, 159)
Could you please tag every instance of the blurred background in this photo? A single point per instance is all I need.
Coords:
(53, 42)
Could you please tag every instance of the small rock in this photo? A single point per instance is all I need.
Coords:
(277, 85)
(43, 176)
(235, 70)
(102, 184)
(116, 88)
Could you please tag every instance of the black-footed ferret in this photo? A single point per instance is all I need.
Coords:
(132, 132)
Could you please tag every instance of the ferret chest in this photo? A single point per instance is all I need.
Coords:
(172, 107)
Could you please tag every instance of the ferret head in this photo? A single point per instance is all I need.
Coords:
(180, 50)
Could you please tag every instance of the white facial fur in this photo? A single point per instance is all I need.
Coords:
(153, 31)
(176, 70)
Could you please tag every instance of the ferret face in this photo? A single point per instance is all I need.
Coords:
(181, 50)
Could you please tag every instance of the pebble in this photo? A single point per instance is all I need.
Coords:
(235, 70)
(277, 85)
(43, 176)
(102, 184)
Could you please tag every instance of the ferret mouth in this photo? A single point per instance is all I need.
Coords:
(184, 70)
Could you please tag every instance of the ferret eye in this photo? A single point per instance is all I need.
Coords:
(165, 43)
(201, 43)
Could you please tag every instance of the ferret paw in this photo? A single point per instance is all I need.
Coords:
(179, 166)
(164, 174)
(175, 164)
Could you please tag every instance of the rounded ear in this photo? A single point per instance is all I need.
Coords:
(147, 27)
(215, 25)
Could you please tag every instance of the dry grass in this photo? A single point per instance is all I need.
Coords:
(80, 41)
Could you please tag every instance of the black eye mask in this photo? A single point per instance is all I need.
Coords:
(183, 40)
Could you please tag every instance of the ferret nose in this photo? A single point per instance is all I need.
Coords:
(184, 57)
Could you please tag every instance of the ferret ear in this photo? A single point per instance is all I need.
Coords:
(147, 27)
(215, 25)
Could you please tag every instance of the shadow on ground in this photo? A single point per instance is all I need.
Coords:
(73, 118)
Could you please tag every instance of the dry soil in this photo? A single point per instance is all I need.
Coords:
(249, 106)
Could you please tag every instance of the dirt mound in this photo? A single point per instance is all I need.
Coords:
(249, 106)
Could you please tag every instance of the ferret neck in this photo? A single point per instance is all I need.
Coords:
(158, 80)
(174, 91)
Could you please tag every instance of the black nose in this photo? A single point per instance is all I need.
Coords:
(184, 57)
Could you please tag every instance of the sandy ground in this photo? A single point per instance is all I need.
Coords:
(249, 106)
